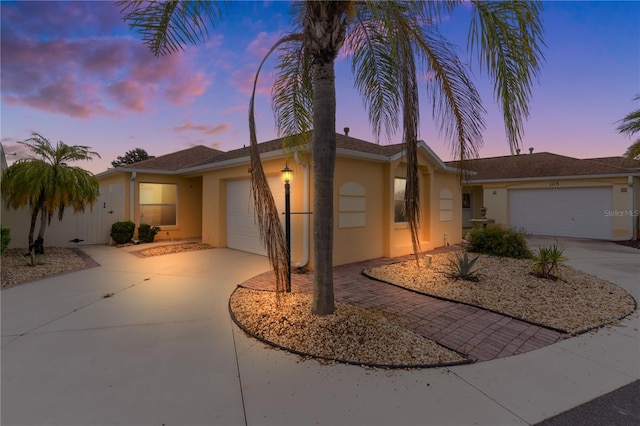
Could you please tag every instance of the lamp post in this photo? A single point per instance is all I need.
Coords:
(287, 174)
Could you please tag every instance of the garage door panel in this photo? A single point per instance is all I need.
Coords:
(563, 212)
(242, 230)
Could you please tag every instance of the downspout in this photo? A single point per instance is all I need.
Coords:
(131, 194)
(305, 208)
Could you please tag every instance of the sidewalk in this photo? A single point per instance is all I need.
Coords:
(163, 350)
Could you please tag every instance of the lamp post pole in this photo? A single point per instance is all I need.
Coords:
(287, 231)
(286, 176)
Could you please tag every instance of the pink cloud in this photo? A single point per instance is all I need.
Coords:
(13, 150)
(259, 47)
(129, 95)
(242, 79)
(237, 108)
(203, 128)
(94, 76)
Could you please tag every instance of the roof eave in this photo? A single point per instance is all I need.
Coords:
(541, 178)
(435, 159)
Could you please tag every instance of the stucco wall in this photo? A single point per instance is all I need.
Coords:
(214, 201)
(495, 198)
(358, 234)
(189, 209)
(440, 207)
(366, 239)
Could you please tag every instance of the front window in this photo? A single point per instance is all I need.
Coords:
(399, 185)
(158, 204)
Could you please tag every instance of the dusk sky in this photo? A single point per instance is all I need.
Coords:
(73, 71)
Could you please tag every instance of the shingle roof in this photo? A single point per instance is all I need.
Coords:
(624, 162)
(201, 157)
(539, 165)
(342, 142)
(178, 160)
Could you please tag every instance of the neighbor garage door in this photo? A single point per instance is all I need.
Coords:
(242, 230)
(562, 212)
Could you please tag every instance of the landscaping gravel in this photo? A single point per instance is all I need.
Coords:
(55, 260)
(351, 334)
(574, 302)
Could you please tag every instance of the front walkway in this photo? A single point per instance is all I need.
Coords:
(478, 333)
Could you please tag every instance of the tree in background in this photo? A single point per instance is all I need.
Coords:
(47, 184)
(392, 46)
(130, 157)
(630, 125)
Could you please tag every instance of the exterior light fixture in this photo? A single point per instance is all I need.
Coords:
(287, 175)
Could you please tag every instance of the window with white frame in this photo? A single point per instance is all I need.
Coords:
(399, 185)
(158, 204)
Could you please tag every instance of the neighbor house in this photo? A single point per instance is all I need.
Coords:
(205, 193)
(556, 195)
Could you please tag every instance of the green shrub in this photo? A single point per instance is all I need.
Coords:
(547, 260)
(122, 232)
(146, 233)
(499, 242)
(5, 238)
(462, 267)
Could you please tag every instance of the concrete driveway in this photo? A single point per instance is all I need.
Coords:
(161, 349)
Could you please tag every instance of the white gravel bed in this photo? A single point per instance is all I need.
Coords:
(172, 248)
(55, 260)
(351, 334)
(575, 302)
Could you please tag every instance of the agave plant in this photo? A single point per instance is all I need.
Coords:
(547, 260)
(32, 258)
(462, 267)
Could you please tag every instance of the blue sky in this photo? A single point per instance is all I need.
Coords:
(73, 71)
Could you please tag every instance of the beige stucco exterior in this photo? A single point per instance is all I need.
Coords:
(375, 236)
(624, 208)
(364, 205)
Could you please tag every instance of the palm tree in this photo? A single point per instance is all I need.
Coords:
(630, 125)
(391, 44)
(47, 184)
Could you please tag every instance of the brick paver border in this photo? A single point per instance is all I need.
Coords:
(479, 333)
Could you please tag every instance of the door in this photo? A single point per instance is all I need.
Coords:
(562, 212)
(242, 229)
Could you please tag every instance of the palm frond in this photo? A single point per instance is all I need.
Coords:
(45, 182)
(457, 107)
(266, 212)
(374, 70)
(630, 124)
(292, 93)
(167, 26)
(633, 151)
(508, 38)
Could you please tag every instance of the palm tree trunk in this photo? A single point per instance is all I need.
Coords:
(34, 215)
(39, 243)
(323, 149)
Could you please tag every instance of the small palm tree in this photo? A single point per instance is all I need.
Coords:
(630, 125)
(391, 44)
(47, 184)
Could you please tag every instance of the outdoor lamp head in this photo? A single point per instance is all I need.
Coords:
(287, 174)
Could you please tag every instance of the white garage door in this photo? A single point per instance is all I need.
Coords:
(242, 229)
(562, 212)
